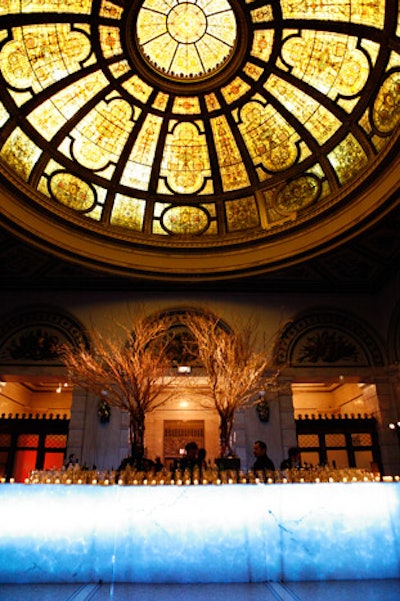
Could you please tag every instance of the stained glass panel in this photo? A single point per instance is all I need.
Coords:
(172, 117)
(186, 39)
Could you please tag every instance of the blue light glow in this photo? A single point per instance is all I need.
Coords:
(238, 533)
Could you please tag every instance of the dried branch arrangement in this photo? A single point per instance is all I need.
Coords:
(133, 375)
(235, 370)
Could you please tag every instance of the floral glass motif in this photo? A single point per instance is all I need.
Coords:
(186, 39)
(140, 115)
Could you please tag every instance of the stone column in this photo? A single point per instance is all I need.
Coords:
(279, 433)
(388, 393)
(98, 444)
(287, 418)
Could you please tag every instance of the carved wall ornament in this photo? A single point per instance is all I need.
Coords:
(327, 346)
(36, 334)
(325, 338)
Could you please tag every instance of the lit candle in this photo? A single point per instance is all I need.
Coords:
(94, 481)
(26, 480)
(12, 480)
(270, 481)
(120, 481)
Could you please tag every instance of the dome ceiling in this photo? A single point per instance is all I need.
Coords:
(196, 138)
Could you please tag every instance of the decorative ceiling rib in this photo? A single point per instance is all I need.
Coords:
(364, 265)
(159, 137)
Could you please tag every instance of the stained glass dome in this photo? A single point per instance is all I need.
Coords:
(196, 138)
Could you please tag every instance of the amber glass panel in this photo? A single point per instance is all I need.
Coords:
(28, 440)
(54, 441)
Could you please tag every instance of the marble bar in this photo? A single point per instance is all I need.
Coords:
(199, 534)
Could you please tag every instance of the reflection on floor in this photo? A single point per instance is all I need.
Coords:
(367, 590)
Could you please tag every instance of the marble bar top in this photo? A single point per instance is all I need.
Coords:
(185, 534)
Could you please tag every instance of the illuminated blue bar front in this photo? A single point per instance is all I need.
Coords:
(173, 534)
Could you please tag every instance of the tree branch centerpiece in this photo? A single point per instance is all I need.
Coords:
(235, 370)
(134, 376)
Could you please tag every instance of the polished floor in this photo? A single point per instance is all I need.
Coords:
(365, 590)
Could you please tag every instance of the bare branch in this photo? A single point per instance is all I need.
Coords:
(134, 375)
(234, 368)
